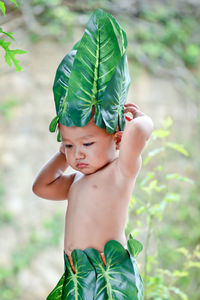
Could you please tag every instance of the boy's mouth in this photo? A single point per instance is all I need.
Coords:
(81, 165)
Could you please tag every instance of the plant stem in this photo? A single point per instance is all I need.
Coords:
(148, 236)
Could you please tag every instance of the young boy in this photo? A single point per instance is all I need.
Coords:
(98, 264)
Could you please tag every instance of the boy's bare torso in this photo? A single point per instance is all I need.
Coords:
(97, 208)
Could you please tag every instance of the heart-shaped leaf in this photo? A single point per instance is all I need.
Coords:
(134, 246)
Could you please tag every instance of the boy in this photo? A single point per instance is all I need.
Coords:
(106, 165)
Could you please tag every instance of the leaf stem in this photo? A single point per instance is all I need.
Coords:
(148, 236)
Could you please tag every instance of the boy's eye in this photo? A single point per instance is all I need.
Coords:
(88, 144)
(68, 146)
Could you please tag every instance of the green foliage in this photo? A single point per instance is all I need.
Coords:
(10, 58)
(134, 246)
(3, 7)
(103, 281)
(7, 107)
(165, 283)
(57, 18)
(6, 216)
(167, 37)
(157, 193)
(10, 54)
(48, 235)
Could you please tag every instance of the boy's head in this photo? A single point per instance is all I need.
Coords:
(89, 148)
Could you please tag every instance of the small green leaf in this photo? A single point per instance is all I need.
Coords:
(193, 264)
(152, 185)
(134, 246)
(179, 177)
(141, 210)
(171, 197)
(178, 273)
(167, 123)
(2, 7)
(165, 272)
(151, 154)
(15, 2)
(160, 188)
(18, 51)
(10, 54)
(149, 176)
(179, 292)
(9, 34)
(159, 168)
(160, 133)
(58, 137)
(178, 147)
(53, 124)
(184, 251)
(157, 210)
(132, 202)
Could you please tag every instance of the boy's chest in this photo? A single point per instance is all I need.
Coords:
(95, 185)
(101, 190)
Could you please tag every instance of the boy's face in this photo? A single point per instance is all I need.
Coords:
(88, 148)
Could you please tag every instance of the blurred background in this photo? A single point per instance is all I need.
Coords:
(164, 60)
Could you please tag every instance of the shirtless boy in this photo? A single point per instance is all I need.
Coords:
(98, 193)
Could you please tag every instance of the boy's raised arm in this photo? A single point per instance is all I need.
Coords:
(51, 183)
(134, 138)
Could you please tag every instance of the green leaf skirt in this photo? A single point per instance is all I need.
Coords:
(88, 278)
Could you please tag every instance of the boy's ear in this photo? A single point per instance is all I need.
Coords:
(117, 138)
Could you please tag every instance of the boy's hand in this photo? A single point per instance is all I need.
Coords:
(134, 110)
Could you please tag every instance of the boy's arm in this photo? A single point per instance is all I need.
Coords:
(51, 183)
(134, 138)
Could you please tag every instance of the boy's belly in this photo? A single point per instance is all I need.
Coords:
(95, 216)
(84, 234)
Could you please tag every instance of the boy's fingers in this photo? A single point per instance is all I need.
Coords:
(131, 104)
(131, 110)
(128, 118)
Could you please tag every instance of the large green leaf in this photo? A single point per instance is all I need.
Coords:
(56, 294)
(112, 108)
(75, 286)
(94, 73)
(116, 280)
(61, 82)
(79, 285)
(119, 279)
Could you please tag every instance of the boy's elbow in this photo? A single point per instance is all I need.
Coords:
(35, 188)
(150, 128)
(145, 128)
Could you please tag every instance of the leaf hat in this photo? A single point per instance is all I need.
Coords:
(94, 74)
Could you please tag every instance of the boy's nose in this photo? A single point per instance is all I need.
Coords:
(79, 154)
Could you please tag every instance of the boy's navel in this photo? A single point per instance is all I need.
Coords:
(94, 186)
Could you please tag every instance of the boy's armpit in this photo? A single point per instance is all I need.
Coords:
(132, 170)
(56, 190)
